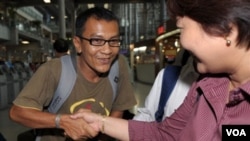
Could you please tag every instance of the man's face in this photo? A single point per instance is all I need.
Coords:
(97, 58)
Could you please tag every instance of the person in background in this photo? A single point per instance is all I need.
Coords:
(97, 42)
(217, 35)
(186, 77)
(61, 47)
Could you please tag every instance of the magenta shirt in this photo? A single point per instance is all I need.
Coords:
(199, 118)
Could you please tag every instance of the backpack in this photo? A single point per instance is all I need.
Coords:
(68, 78)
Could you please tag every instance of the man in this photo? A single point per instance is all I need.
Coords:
(97, 43)
(60, 47)
(186, 77)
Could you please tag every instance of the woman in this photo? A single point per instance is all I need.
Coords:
(217, 34)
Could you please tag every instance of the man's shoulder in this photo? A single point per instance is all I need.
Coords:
(122, 61)
(52, 66)
(55, 62)
(121, 58)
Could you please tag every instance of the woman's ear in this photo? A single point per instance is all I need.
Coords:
(231, 37)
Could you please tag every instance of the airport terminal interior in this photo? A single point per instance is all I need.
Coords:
(28, 29)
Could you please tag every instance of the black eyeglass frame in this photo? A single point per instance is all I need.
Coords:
(104, 41)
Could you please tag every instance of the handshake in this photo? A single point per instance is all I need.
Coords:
(81, 125)
(85, 124)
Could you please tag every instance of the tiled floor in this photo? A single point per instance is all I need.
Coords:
(10, 130)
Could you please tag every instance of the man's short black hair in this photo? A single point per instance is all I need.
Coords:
(61, 45)
(98, 13)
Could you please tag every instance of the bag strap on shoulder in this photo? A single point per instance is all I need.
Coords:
(114, 78)
(170, 76)
(65, 85)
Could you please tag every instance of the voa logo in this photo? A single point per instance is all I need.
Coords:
(236, 132)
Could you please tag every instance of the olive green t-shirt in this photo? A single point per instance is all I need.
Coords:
(97, 97)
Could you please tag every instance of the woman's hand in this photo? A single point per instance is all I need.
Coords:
(94, 120)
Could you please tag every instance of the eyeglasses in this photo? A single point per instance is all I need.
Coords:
(101, 42)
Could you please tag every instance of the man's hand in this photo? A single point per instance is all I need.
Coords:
(76, 128)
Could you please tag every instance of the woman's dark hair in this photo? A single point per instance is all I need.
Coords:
(99, 13)
(216, 16)
(61, 45)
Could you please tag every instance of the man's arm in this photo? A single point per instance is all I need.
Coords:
(35, 118)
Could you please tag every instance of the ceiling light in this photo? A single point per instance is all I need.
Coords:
(47, 1)
(106, 5)
(25, 42)
(91, 5)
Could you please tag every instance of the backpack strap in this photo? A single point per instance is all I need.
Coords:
(114, 78)
(170, 76)
(66, 83)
